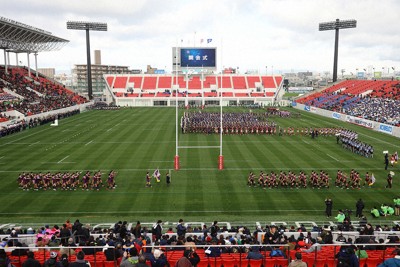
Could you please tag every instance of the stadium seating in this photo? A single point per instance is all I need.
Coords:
(239, 82)
(38, 94)
(194, 83)
(268, 82)
(252, 80)
(120, 82)
(149, 82)
(150, 85)
(165, 82)
(374, 100)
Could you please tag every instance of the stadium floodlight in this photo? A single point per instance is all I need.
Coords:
(87, 26)
(337, 25)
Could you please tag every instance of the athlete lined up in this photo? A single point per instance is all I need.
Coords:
(289, 180)
(64, 181)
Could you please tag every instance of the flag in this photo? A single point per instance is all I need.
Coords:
(209, 40)
(156, 174)
(372, 180)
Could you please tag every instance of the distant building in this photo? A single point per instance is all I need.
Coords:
(49, 72)
(97, 57)
(79, 75)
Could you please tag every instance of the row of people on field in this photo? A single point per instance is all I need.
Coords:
(356, 146)
(288, 180)
(353, 179)
(65, 181)
(316, 179)
(232, 123)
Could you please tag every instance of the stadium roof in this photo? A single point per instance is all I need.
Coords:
(19, 37)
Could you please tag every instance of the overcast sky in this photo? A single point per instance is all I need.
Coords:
(278, 35)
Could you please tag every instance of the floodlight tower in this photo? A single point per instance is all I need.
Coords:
(87, 26)
(336, 25)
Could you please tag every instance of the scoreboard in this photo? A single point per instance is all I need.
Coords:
(194, 58)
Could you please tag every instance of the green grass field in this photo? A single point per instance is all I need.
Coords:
(133, 141)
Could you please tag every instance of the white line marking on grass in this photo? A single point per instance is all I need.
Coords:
(63, 159)
(34, 143)
(26, 136)
(146, 211)
(88, 142)
(1, 157)
(109, 130)
(305, 142)
(64, 162)
(161, 161)
(332, 157)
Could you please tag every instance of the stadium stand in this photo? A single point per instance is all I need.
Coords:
(104, 245)
(149, 82)
(194, 83)
(161, 86)
(120, 82)
(38, 94)
(165, 82)
(374, 100)
(239, 82)
(252, 80)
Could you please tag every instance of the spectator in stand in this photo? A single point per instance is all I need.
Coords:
(52, 262)
(141, 261)
(214, 230)
(42, 242)
(65, 234)
(64, 260)
(298, 262)
(4, 260)
(347, 258)
(157, 231)
(189, 259)
(80, 260)
(158, 259)
(111, 253)
(181, 228)
(392, 262)
(31, 262)
(271, 237)
(137, 231)
(69, 248)
(254, 253)
(314, 247)
(213, 251)
(129, 258)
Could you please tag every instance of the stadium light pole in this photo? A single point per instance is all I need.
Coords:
(87, 26)
(337, 25)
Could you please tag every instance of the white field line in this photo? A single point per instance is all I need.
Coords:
(34, 143)
(88, 142)
(63, 159)
(332, 157)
